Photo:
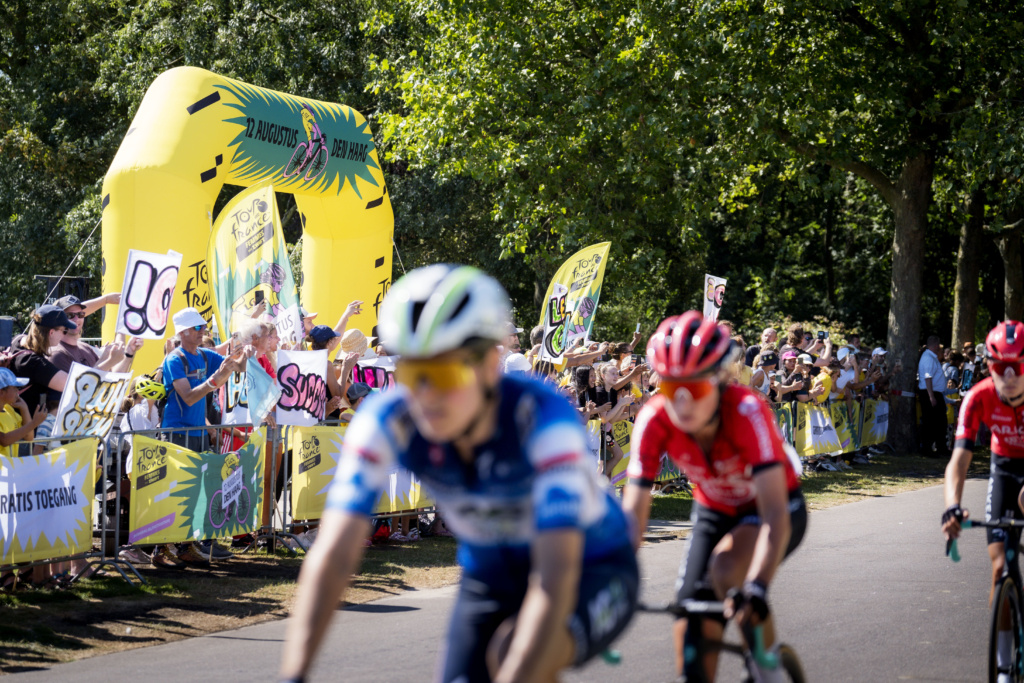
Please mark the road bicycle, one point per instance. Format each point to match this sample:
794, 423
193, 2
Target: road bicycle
1007, 607
752, 658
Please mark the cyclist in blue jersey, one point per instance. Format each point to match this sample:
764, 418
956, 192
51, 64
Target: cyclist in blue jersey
549, 574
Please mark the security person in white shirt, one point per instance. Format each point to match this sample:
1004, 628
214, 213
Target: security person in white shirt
930, 383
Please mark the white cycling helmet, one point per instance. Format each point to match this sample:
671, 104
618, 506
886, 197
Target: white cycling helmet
440, 308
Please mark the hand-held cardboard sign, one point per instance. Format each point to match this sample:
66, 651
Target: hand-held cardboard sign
149, 282
90, 402
302, 376
714, 295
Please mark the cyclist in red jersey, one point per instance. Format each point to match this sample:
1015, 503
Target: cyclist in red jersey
997, 401
748, 511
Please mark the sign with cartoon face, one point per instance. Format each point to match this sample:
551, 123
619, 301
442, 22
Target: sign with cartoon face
714, 296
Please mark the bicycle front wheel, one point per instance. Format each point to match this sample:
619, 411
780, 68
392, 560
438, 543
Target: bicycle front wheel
791, 664
1006, 616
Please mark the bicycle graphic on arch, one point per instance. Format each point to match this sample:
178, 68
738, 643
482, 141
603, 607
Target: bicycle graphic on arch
310, 157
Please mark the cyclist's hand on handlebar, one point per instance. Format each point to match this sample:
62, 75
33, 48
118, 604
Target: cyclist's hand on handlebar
748, 604
952, 519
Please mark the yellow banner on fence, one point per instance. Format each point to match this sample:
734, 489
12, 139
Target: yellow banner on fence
876, 422
315, 453
180, 495
844, 426
622, 433
814, 434
46, 503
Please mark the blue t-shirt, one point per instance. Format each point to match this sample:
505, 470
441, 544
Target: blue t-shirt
200, 367
533, 475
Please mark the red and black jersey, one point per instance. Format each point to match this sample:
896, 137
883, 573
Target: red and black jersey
1006, 423
747, 441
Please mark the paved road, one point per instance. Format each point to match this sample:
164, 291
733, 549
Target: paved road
868, 597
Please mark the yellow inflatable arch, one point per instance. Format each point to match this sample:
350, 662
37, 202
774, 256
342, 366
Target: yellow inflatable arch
195, 131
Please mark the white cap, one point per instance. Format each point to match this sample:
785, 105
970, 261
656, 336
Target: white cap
516, 362
186, 318
843, 353
804, 358
512, 329
878, 352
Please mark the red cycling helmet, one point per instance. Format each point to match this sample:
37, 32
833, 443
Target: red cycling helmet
688, 346
1006, 341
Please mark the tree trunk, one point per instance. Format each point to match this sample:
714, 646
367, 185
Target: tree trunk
910, 206
968, 265
1009, 244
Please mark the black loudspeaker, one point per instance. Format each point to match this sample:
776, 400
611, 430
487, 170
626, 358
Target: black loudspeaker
6, 330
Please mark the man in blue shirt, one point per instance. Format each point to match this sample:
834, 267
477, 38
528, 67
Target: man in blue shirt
190, 373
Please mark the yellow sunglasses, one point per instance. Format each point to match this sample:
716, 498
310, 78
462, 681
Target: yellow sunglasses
441, 375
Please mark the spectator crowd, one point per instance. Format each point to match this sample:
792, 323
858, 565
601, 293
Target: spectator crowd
608, 382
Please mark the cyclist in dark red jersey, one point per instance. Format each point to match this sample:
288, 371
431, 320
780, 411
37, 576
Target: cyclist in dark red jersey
748, 511
998, 402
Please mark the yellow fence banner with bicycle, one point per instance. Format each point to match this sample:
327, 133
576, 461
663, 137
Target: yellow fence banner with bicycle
179, 495
46, 503
814, 433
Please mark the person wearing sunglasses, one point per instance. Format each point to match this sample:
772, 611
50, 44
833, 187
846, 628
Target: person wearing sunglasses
998, 402
549, 575
116, 356
748, 511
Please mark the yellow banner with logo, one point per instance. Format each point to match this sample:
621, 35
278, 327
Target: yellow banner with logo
570, 303
315, 455
46, 503
844, 426
180, 495
876, 422
249, 260
814, 433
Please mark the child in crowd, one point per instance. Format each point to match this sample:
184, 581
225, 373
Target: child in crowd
16, 424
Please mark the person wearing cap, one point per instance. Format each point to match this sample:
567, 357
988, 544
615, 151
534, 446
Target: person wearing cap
323, 337
190, 373
354, 308
116, 356
510, 343
801, 377
16, 423
46, 380
357, 391
765, 364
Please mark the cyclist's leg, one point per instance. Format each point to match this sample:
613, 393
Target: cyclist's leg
557, 655
709, 526
1004, 490
479, 612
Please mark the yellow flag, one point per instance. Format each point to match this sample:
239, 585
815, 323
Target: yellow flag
571, 301
249, 261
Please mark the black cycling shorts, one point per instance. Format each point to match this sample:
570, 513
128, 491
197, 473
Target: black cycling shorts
1004, 485
709, 527
607, 599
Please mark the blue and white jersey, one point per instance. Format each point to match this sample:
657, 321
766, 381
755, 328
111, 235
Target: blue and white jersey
533, 475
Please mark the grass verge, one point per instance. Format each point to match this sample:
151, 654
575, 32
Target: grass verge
40, 628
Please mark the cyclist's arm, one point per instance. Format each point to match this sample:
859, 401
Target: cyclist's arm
556, 557
956, 473
773, 508
322, 582
636, 502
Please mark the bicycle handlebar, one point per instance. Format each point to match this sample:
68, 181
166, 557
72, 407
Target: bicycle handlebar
710, 608
953, 552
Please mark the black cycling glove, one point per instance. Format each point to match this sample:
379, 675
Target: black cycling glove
755, 593
952, 511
